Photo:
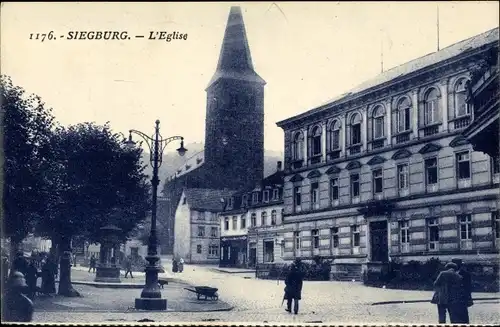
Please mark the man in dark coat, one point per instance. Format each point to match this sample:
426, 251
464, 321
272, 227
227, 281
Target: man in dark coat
465, 296
20, 263
17, 307
31, 278
293, 288
446, 296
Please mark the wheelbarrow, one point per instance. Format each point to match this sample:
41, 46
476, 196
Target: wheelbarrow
210, 293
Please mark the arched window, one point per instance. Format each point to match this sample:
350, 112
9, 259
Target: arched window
334, 135
431, 107
298, 146
378, 122
273, 217
316, 140
355, 129
403, 116
263, 218
460, 97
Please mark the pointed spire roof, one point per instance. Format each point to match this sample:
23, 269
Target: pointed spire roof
235, 61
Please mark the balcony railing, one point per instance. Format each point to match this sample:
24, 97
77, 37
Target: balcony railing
402, 138
334, 154
377, 144
315, 159
431, 130
297, 163
355, 149
461, 122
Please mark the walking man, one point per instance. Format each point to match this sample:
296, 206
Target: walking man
465, 295
128, 267
92, 263
446, 296
293, 288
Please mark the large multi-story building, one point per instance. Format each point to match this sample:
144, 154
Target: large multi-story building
251, 224
233, 156
383, 172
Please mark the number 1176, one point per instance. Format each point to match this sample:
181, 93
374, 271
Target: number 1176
42, 36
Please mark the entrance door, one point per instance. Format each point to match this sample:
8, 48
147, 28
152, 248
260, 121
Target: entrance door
378, 241
253, 256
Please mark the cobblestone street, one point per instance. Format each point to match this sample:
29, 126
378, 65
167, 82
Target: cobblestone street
259, 301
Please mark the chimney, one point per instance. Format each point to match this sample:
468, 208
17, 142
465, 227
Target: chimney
278, 166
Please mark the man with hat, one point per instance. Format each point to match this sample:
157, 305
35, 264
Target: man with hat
446, 296
293, 288
17, 307
465, 295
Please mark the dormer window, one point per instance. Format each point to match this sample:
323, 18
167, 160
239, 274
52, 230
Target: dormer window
230, 202
255, 197
266, 196
244, 200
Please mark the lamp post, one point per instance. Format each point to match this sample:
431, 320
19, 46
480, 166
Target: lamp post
151, 295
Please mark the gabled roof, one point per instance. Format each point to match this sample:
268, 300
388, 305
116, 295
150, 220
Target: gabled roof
408, 68
193, 163
204, 199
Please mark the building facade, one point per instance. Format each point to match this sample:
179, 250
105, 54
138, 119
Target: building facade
383, 172
251, 224
197, 225
233, 156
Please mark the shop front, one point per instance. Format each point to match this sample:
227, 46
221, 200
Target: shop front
234, 251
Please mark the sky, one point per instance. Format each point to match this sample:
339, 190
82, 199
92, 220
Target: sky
308, 53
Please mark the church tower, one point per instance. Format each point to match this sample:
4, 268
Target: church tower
234, 124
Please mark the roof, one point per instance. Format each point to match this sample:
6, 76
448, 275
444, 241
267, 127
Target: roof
192, 163
408, 68
235, 61
204, 199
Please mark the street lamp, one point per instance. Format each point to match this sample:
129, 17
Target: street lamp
151, 295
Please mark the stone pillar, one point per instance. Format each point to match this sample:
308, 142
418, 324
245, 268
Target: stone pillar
414, 114
343, 133
388, 109
443, 85
323, 141
364, 130
306, 141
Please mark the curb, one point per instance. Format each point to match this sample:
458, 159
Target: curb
122, 285
423, 301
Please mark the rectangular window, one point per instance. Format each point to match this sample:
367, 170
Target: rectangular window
431, 171
335, 140
465, 231
213, 250
378, 186
403, 120
315, 195
266, 196
226, 223
230, 203
403, 176
334, 189
297, 198
243, 222
276, 194
404, 235
355, 235
334, 231
495, 163
184, 201
244, 200
378, 130
201, 215
255, 197
495, 218
296, 239
355, 185
235, 222
463, 165
315, 237
253, 220
213, 232
356, 134
433, 234
198, 249
201, 231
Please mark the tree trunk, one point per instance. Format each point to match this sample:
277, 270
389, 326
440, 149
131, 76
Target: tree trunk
65, 286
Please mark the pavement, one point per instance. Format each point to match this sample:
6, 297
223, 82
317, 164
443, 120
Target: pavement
259, 301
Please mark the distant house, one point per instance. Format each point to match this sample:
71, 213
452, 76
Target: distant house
196, 227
